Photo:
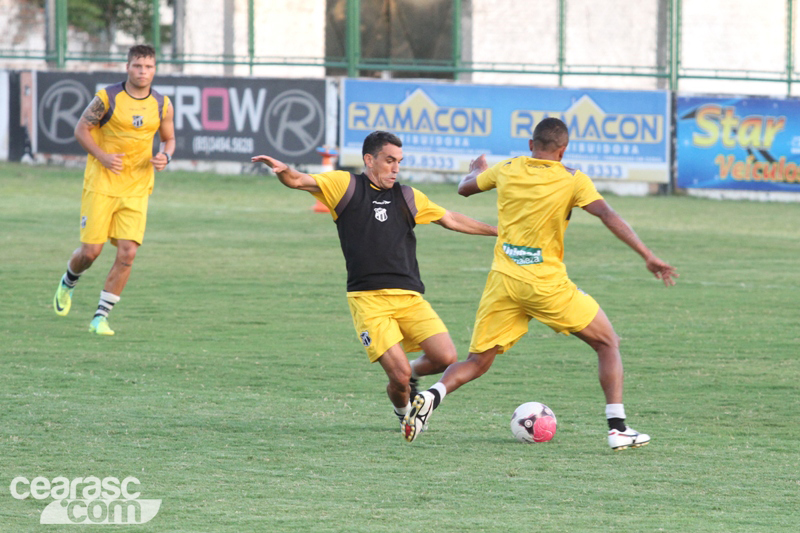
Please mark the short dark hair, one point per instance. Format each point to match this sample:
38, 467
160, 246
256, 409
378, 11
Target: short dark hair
141, 50
376, 140
550, 134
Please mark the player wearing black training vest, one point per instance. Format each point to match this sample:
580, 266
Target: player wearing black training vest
375, 218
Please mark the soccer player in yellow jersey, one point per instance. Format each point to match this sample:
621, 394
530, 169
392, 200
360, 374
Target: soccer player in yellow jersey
528, 279
375, 217
117, 131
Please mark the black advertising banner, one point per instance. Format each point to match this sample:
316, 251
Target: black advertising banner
226, 119
60, 99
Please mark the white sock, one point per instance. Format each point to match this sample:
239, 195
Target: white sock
440, 387
615, 410
403, 411
106, 304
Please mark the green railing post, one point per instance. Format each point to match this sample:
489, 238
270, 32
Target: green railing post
61, 33
353, 37
456, 38
157, 28
675, 43
562, 24
251, 32
789, 47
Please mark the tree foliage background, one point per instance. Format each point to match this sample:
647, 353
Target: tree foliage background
105, 17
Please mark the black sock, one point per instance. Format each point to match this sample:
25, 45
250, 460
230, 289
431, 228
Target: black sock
436, 397
617, 423
413, 383
71, 279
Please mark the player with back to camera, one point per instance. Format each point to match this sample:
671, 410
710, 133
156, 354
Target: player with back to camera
117, 131
535, 198
375, 217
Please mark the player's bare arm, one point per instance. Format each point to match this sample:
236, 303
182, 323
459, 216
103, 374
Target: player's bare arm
287, 175
89, 120
624, 232
464, 224
167, 134
469, 183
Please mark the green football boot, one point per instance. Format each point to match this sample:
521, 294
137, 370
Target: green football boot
100, 326
62, 301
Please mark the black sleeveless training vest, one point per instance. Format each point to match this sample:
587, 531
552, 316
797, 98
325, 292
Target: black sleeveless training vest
376, 231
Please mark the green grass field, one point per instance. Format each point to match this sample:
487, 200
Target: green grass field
236, 391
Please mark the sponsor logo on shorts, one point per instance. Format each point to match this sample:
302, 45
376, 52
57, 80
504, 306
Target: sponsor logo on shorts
365, 338
83, 222
523, 255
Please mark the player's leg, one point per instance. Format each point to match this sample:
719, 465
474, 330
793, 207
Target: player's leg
457, 374
379, 333
600, 335
499, 324
80, 260
476, 365
121, 269
395, 363
127, 233
115, 283
96, 214
422, 329
438, 352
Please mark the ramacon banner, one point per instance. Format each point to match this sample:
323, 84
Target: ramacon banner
615, 135
226, 119
738, 143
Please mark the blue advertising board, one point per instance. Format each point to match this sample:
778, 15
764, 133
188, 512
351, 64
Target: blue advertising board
615, 135
738, 143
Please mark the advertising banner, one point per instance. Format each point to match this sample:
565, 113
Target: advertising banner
615, 135
226, 119
738, 143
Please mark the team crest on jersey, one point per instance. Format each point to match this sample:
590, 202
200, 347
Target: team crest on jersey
138, 121
365, 339
380, 214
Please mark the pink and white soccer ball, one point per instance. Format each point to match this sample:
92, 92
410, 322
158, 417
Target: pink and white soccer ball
533, 422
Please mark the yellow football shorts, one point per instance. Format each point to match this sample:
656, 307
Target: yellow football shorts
109, 217
382, 320
508, 304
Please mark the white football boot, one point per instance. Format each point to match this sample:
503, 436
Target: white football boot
416, 421
630, 438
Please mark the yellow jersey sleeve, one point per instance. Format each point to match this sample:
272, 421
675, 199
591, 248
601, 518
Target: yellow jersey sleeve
427, 211
103, 96
166, 107
332, 186
488, 178
585, 191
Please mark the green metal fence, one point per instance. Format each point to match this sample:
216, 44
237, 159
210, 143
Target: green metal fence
671, 71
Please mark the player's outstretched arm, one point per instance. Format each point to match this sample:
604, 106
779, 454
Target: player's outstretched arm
287, 175
90, 119
624, 232
464, 224
469, 183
